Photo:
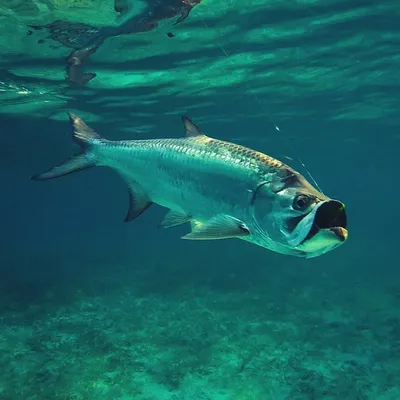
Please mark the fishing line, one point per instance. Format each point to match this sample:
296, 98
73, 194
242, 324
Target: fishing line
264, 109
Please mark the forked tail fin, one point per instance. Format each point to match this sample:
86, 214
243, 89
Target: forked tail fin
87, 138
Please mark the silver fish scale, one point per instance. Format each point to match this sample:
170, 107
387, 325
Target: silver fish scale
212, 150
200, 175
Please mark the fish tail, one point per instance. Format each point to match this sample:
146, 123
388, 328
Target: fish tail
87, 139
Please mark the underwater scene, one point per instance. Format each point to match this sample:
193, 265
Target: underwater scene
199, 200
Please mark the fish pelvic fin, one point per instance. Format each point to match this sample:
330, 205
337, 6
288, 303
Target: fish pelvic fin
174, 218
87, 139
219, 227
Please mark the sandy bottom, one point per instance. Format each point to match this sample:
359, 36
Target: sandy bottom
233, 338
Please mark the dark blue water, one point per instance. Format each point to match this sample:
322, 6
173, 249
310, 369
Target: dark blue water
95, 308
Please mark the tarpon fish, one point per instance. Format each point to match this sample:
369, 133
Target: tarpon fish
223, 189
75, 72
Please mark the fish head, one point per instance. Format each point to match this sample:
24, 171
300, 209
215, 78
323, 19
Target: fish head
297, 218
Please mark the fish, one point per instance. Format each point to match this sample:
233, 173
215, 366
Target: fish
222, 189
75, 73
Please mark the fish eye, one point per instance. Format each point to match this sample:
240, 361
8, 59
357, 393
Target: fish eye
301, 202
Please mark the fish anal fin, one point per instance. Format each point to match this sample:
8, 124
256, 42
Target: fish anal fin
191, 129
139, 202
174, 218
219, 227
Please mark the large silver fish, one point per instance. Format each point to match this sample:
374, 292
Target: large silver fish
224, 190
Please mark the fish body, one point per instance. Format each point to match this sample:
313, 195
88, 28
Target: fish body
223, 189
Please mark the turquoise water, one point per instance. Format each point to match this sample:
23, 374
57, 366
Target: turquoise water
93, 308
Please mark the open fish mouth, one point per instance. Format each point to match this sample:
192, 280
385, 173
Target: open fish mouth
330, 216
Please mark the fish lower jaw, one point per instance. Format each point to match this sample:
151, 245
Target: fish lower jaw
323, 241
340, 232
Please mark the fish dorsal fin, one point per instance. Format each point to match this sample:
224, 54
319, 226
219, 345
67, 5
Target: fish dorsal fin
220, 227
82, 133
191, 130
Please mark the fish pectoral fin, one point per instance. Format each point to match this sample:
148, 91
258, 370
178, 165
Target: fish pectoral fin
219, 227
138, 201
174, 218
